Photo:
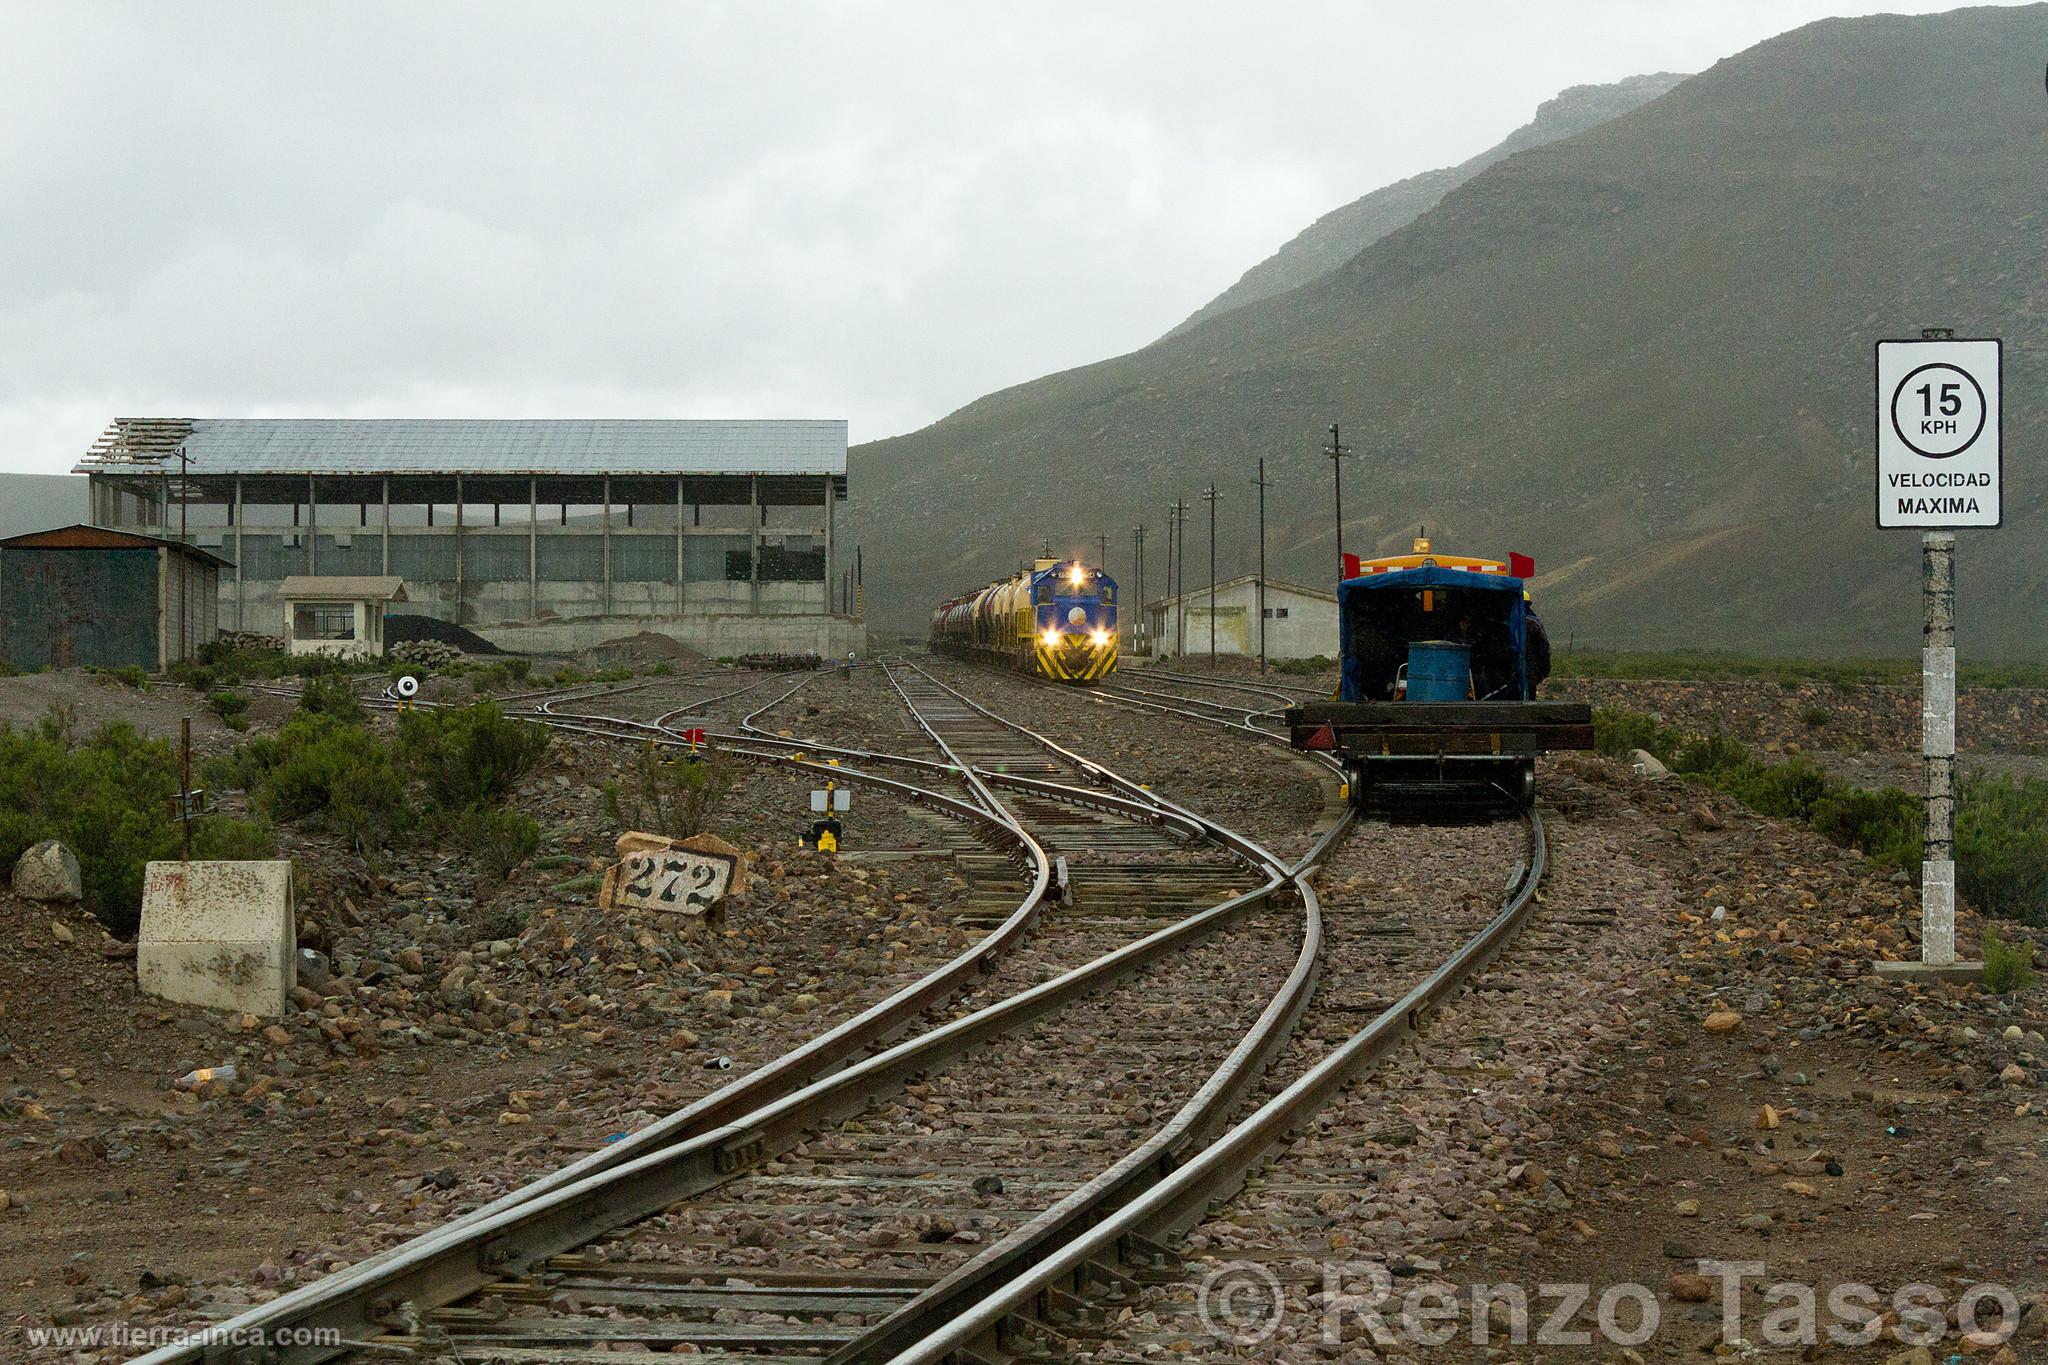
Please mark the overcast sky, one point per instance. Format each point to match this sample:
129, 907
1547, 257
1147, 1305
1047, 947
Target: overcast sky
837, 208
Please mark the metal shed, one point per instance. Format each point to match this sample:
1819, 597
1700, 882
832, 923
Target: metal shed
89, 596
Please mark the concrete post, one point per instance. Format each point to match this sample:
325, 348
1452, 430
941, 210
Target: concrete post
238, 553
1938, 747
458, 549
312, 527
606, 608
828, 543
532, 548
754, 544
384, 495
679, 545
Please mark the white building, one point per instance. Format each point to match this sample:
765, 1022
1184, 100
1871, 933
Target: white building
1300, 622
340, 615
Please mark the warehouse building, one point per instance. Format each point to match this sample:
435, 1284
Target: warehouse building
85, 596
1301, 623
537, 535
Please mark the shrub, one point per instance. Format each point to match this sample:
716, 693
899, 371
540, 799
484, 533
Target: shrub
2007, 967
1709, 754
1816, 717
108, 799
1618, 732
1886, 826
498, 840
472, 756
332, 695
229, 706
2002, 847
129, 675
337, 774
676, 798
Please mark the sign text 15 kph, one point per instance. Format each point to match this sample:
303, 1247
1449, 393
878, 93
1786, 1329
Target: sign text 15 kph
1940, 443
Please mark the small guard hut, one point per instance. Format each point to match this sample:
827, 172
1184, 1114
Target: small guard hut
341, 615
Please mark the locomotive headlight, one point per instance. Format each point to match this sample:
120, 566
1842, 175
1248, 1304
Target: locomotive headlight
1077, 575
1052, 639
1099, 638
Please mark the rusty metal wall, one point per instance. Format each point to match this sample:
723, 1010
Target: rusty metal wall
69, 608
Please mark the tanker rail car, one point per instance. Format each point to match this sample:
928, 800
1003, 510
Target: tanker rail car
1058, 621
1442, 657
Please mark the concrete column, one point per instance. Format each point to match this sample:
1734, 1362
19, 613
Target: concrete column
532, 548
312, 527
679, 545
606, 608
754, 545
828, 544
385, 495
238, 553
458, 549
1938, 747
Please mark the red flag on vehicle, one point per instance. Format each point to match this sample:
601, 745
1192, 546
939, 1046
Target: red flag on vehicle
1352, 566
1521, 566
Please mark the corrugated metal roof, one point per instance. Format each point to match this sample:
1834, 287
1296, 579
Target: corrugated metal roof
239, 445
301, 587
79, 536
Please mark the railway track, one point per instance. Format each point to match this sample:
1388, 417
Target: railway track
406, 1299
979, 1190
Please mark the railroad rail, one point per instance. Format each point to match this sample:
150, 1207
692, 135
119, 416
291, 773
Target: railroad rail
393, 1298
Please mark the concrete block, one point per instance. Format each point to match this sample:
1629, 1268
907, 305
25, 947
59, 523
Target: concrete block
1927, 971
219, 934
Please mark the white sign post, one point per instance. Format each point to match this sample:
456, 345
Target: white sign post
1940, 460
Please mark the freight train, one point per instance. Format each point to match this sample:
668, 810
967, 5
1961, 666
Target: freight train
1057, 620
1442, 656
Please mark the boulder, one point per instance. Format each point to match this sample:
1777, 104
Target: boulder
48, 872
1648, 764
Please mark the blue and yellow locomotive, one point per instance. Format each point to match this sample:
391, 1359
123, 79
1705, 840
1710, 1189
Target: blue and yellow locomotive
1058, 620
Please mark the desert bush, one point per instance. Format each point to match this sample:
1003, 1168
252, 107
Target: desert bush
331, 695
675, 797
1885, 826
338, 775
471, 756
1816, 717
229, 706
108, 798
2002, 847
1618, 732
498, 840
2007, 967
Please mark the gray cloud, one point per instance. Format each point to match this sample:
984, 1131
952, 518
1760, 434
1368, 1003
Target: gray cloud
843, 207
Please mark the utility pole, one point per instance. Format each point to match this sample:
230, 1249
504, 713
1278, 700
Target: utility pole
1209, 496
1102, 539
1144, 631
1263, 485
1180, 578
1338, 453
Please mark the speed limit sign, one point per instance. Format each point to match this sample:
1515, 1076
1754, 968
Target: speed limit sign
1940, 445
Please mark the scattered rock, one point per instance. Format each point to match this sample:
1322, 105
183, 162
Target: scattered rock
48, 872
1722, 1021
1687, 1287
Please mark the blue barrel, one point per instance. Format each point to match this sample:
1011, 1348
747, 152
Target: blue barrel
1439, 670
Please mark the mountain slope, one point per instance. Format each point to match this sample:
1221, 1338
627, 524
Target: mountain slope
1642, 354
1342, 233
37, 502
